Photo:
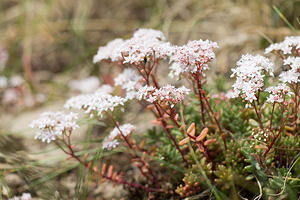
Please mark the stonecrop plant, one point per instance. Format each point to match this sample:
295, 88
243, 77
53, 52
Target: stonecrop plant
237, 144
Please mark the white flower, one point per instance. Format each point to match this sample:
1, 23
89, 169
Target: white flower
259, 135
192, 57
40, 97
167, 94
87, 85
249, 74
145, 44
10, 96
53, 124
16, 81
286, 46
125, 130
144, 92
289, 77
149, 33
105, 89
293, 62
250, 66
130, 81
277, 93
292, 75
111, 142
3, 82
175, 70
100, 101
110, 51
232, 94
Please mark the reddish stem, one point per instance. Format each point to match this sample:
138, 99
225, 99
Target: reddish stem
272, 116
171, 115
164, 123
217, 122
154, 81
135, 156
201, 94
199, 145
271, 145
296, 106
135, 185
199, 86
258, 115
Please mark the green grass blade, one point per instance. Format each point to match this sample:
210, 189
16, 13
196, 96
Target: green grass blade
284, 19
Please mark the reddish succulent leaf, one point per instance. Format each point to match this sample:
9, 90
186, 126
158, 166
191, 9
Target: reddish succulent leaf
103, 169
110, 170
192, 129
202, 135
184, 141
210, 141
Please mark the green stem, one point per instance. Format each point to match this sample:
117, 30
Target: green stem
213, 189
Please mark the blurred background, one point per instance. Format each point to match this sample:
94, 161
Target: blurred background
62, 35
45, 44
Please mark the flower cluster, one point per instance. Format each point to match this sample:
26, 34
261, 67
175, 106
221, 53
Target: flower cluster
149, 33
111, 142
287, 46
98, 102
167, 94
277, 93
13, 91
14, 81
130, 81
289, 76
105, 89
110, 51
259, 135
249, 73
292, 75
192, 57
231, 94
87, 85
293, 62
145, 44
54, 124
